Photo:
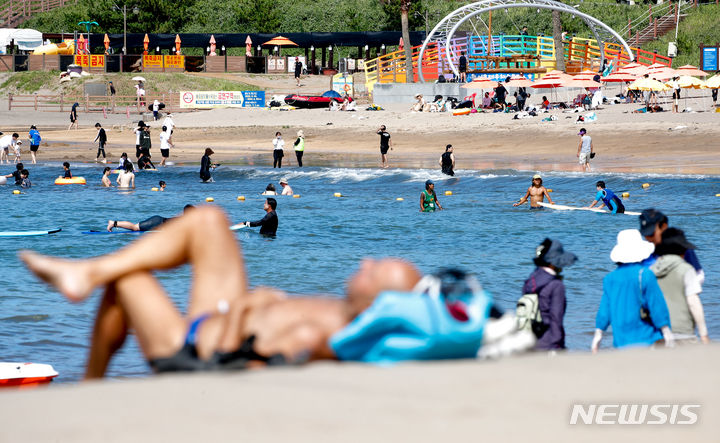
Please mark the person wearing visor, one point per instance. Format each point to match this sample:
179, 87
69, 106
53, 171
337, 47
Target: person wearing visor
546, 282
428, 198
536, 192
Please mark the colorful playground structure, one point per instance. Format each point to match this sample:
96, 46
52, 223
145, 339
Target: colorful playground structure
496, 56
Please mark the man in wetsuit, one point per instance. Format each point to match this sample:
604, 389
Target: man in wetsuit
447, 161
149, 224
16, 173
608, 198
269, 223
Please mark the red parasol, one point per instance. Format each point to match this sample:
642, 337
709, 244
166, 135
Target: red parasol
248, 46
213, 45
146, 42
177, 44
106, 41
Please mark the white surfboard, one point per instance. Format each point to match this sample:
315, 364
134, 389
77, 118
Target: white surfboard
578, 208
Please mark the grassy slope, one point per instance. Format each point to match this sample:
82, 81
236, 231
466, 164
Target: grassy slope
47, 82
702, 25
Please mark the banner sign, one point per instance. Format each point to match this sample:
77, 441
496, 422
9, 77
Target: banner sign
175, 61
222, 99
152, 61
709, 59
90, 61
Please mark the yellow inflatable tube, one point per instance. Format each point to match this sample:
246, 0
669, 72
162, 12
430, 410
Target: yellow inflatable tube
70, 181
66, 47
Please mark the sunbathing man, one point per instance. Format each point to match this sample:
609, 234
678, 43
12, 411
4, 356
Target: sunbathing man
227, 324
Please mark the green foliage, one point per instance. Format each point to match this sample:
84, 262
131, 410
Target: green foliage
699, 27
35, 81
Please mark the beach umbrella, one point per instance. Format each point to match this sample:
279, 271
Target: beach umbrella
106, 42
580, 83
248, 46
662, 73
586, 74
713, 83
146, 42
481, 83
213, 45
81, 44
691, 70
519, 82
401, 45
280, 41
648, 84
638, 69
619, 77
687, 81
177, 44
547, 83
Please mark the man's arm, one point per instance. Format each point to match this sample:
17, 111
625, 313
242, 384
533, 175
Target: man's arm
524, 199
97, 137
452, 157
437, 202
260, 222
579, 148
692, 292
547, 195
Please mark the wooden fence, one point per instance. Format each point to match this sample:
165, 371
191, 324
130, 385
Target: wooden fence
14, 12
110, 104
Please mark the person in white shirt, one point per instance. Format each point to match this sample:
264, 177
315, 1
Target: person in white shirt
168, 122
165, 144
156, 110
286, 189
6, 141
278, 153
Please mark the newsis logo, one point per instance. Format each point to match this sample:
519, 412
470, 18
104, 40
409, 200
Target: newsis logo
650, 414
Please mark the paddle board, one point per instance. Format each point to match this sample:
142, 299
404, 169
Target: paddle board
25, 374
120, 231
578, 208
28, 233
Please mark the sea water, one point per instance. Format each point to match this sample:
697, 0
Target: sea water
322, 238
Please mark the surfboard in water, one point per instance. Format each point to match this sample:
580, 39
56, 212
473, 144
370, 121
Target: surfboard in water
120, 231
578, 208
28, 233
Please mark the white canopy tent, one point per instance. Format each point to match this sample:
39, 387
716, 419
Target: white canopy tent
25, 39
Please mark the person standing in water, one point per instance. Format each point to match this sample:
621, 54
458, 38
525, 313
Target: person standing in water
106, 177
278, 153
428, 198
385, 145
536, 192
206, 165
126, 178
585, 150
447, 161
269, 223
608, 198
35, 140
300, 147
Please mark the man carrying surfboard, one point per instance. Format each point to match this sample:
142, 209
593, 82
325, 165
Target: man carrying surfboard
608, 198
536, 192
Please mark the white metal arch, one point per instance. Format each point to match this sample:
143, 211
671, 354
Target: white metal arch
446, 28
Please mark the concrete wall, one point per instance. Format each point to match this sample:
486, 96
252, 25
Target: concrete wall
386, 93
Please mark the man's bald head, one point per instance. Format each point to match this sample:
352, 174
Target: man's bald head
376, 276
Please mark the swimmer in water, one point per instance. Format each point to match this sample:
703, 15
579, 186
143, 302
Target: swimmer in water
269, 190
106, 177
536, 192
66, 168
162, 185
146, 225
428, 198
126, 178
269, 223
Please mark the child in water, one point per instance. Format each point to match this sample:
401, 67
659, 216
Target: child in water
66, 168
162, 185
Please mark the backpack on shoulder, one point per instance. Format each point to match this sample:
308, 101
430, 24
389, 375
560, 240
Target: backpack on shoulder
527, 315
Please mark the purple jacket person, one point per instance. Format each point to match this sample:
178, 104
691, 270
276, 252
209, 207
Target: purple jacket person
546, 282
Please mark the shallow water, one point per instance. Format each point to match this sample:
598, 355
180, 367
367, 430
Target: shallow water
322, 238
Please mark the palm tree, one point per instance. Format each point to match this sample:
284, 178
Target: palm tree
404, 9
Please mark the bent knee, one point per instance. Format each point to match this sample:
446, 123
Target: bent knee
209, 216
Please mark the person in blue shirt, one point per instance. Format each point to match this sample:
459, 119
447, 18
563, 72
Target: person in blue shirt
608, 198
35, 140
652, 224
632, 302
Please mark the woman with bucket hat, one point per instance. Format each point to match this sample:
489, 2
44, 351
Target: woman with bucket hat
632, 302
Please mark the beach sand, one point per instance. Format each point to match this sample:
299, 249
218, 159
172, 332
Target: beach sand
684, 143
527, 398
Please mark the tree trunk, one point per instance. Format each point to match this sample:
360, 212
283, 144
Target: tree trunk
404, 9
557, 37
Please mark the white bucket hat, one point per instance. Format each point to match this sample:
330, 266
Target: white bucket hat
631, 247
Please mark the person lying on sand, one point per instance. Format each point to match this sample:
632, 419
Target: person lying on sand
227, 323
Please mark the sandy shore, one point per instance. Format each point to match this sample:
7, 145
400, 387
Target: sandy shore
527, 398
683, 143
